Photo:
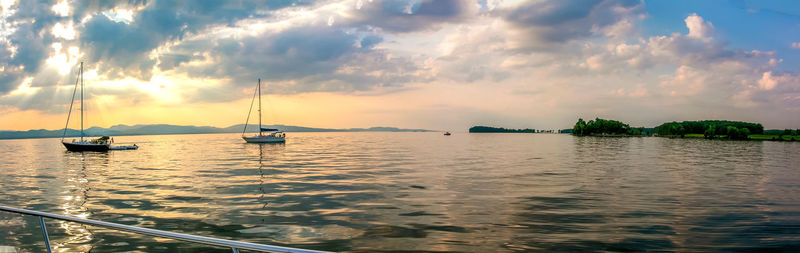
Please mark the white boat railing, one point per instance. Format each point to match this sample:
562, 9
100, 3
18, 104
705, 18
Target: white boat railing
234, 245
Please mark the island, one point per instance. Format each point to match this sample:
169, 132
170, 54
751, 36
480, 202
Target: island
708, 129
487, 129
606, 127
711, 129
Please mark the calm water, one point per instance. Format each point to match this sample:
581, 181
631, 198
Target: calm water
410, 192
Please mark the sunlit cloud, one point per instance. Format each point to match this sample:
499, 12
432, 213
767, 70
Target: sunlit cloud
66, 32
699, 29
62, 8
120, 15
25, 88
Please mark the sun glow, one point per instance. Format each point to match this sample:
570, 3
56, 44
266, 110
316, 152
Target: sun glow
64, 60
5, 5
25, 88
66, 32
120, 15
61, 8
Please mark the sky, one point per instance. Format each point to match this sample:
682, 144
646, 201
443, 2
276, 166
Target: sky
444, 65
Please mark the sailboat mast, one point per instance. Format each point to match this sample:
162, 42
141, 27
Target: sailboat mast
81, 101
259, 106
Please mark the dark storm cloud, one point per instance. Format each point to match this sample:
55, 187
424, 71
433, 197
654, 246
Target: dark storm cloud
409, 16
565, 20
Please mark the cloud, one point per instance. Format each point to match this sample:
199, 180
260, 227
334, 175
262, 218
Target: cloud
543, 23
302, 59
23, 55
120, 47
696, 49
164, 36
604, 74
783, 83
697, 28
29, 28
401, 16
563, 57
126, 47
767, 82
315, 56
685, 81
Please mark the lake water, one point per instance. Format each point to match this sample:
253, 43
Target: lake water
370, 192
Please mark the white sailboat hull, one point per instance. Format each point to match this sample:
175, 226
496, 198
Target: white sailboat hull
264, 139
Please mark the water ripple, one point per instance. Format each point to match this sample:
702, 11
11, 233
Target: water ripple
367, 192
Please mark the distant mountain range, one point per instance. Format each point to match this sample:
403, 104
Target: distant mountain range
120, 130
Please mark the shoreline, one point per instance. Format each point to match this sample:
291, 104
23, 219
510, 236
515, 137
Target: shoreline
752, 137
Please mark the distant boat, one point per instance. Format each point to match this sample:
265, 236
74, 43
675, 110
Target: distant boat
447, 133
131, 147
265, 135
101, 144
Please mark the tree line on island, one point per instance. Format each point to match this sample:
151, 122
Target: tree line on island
605, 127
709, 129
487, 129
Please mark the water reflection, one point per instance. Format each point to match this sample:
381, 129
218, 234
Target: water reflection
416, 192
73, 199
273, 150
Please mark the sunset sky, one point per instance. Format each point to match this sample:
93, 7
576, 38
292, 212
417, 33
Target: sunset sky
444, 65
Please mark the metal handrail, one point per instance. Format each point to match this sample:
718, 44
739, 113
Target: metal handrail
234, 245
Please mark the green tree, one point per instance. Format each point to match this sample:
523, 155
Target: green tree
721, 130
600, 126
677, 129
709, 133
744, 134
579, 127
733, 132
699, 127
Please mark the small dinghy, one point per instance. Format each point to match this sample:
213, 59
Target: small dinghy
132, 147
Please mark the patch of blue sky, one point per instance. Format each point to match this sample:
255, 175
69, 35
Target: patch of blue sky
745, 25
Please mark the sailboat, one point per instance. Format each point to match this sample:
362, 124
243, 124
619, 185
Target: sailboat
101, 144
265, 135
